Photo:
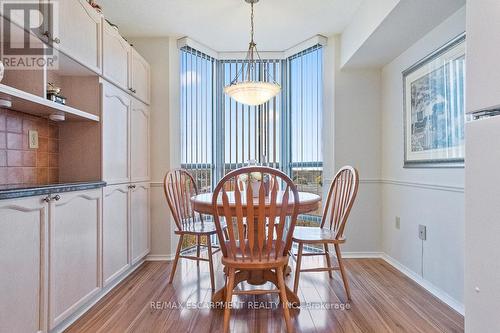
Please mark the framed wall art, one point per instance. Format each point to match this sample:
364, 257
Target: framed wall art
434, 108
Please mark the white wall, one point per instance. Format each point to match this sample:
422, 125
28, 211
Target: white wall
162, 55
351, 136
433, 197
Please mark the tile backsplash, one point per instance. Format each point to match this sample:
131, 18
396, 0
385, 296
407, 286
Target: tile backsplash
20, 165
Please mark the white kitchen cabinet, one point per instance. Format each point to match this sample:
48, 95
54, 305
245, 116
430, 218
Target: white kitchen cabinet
139, 221
139, 142
140, 76
115, 231
116, 56
483, 67
23, 262
116, 106
76, 31
74, 269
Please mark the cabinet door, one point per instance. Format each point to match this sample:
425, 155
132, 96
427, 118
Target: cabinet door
483, 68
77, 31
23, 262
140, 77
139, 221
115, 231
139, 142
115, 134
75, 223
115, 55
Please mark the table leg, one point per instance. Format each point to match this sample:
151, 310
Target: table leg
262, 277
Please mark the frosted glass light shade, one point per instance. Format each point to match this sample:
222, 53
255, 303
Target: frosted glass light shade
252, 93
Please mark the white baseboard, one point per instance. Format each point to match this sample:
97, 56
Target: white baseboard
439, 293
361, 255
160, 257
351, 255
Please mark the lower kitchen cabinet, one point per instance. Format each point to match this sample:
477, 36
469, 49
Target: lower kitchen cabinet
60, 252
23, 262
74, 269
115, 231
139, 221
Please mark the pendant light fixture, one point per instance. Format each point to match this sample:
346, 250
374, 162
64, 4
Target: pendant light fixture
251, 91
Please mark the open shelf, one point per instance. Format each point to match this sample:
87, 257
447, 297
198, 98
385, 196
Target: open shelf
37, 105
79, 85
26, 87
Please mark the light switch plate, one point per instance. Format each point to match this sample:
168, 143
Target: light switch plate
33, 139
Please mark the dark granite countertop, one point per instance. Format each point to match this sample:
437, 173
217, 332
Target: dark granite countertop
35, 190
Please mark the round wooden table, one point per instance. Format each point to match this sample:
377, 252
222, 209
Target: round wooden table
202, 203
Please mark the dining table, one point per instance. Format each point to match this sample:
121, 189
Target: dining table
202, 203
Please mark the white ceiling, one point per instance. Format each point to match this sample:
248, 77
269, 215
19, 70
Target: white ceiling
403, 26
224, 24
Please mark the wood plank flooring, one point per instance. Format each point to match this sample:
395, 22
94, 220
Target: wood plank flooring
383, 300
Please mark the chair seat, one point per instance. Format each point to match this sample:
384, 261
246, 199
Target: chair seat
315, 235
197, 228
256, 262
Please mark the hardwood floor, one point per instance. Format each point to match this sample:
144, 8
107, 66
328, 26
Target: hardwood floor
383, 300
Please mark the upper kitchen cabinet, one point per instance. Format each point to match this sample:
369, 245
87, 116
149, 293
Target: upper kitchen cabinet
115, 56
116, 106
483, 68
75, 29
140, 74
139, 142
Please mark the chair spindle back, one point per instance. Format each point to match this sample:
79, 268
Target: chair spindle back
341, 195
256, 214
180, 186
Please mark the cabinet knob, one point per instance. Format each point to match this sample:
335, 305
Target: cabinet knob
57, 197
47, 198
132, 186
47, 35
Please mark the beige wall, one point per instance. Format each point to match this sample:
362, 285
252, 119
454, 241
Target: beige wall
351, 135
433, 197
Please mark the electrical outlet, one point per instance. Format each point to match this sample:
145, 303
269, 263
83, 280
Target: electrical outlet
398, 222
33, 139
422, 232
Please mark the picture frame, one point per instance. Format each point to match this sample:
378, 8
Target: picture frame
434, 108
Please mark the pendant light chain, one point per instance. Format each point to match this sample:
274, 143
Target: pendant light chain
251, 47
251, 26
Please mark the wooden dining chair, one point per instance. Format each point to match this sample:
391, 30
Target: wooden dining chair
338, 205
259, 231
180, 186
